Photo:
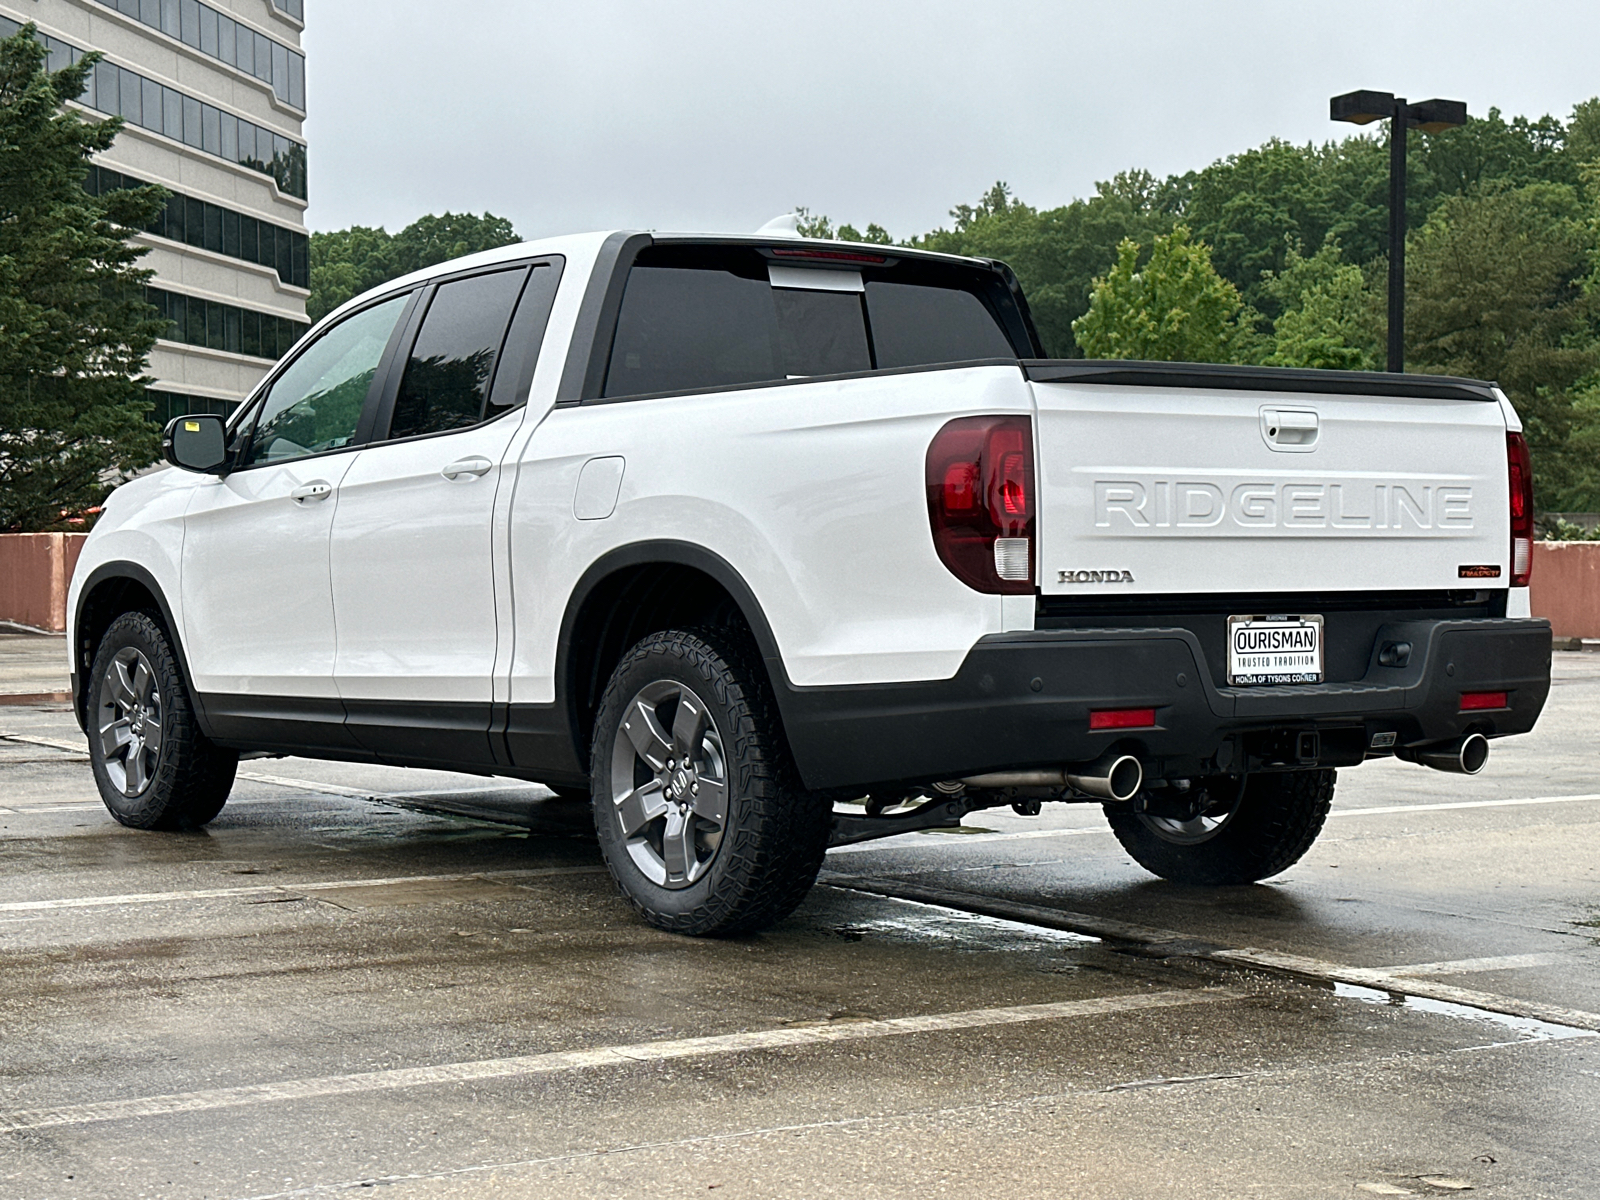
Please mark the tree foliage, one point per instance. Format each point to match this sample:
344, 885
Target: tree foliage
75, 332
1175, 308
347, 262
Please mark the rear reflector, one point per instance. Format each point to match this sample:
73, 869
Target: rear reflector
1473, 701
1123, 718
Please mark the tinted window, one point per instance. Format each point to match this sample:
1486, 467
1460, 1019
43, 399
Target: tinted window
316, 403
447, 376
913, 325
821, 333
681, 328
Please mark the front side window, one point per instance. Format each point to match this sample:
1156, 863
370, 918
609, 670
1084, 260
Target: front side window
447, 378
315, 405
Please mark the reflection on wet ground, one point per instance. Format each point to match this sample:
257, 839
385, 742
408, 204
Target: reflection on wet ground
344, 983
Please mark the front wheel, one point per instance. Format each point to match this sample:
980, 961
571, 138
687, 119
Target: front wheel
1235, 831
153, 766
700, 815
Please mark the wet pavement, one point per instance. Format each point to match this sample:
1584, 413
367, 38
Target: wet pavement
345, 984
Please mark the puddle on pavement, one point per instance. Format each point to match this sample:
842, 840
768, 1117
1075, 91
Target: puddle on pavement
908, 921
1527, 1029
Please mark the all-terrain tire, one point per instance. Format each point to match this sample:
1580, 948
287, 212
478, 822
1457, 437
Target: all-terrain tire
1273, 823
774, 834
185, 780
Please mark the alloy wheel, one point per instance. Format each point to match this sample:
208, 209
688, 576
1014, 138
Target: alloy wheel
669, 784
130, 721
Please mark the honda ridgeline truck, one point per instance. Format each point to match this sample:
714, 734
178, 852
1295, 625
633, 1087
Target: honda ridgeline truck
767, 544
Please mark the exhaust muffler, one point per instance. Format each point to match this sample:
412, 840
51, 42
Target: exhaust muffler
1463, 756
1112, 777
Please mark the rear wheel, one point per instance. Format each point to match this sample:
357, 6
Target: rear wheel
1238, 830
699, 812
153, 766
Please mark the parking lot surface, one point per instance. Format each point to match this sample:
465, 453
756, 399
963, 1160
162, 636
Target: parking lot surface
366, 978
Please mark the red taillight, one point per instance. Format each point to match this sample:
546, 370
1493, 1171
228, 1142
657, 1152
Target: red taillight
1123, 718
1476, 701
1520, 468
980, 502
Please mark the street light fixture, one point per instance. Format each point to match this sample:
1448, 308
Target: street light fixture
1430, 116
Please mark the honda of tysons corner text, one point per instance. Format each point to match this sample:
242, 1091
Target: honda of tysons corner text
767, 544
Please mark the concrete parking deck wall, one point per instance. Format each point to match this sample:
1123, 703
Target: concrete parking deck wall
35, 571
36, 568
1566, 587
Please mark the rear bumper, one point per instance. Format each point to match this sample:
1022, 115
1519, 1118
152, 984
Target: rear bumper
1024, 699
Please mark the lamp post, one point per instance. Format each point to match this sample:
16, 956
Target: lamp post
1430, 116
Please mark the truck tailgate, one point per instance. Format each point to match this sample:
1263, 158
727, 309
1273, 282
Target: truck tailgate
1159, 490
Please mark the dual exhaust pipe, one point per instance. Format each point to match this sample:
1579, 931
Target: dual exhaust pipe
1111, 777
1119, 777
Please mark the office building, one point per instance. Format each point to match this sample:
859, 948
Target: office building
213, 93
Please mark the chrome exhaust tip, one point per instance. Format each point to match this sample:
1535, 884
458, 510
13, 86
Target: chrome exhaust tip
1463, 756
1114, 777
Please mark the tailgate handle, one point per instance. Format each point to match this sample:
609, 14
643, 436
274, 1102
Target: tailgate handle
1290, 429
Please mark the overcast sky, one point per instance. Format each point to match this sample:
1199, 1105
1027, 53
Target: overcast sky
720, 114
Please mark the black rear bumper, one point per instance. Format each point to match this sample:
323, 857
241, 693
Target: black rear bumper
1024, 699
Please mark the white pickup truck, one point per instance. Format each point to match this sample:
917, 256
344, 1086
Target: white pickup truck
768, 544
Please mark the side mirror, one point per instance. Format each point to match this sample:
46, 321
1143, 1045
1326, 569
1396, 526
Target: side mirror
196, 443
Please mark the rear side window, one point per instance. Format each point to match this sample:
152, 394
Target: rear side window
684, 328
913, 325
451, 366
695, 318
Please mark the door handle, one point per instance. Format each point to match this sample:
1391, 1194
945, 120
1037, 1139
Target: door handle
474, 466
320, 489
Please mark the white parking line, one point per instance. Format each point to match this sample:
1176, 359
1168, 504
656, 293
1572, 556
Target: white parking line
278, 889
605, 1056
1465, 966
1383, 810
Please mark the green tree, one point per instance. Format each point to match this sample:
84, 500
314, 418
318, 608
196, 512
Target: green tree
1494, 290
75, 331
1175, 309
1058, 253
1328, 316
347, 262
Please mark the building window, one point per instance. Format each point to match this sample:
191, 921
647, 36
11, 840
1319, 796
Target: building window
160, 109
180, 404
195, 321
215, 33
124, 93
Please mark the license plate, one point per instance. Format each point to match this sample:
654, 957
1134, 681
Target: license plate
1274, 649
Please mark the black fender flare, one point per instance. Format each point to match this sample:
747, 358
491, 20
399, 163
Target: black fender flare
676, 553
137, 574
